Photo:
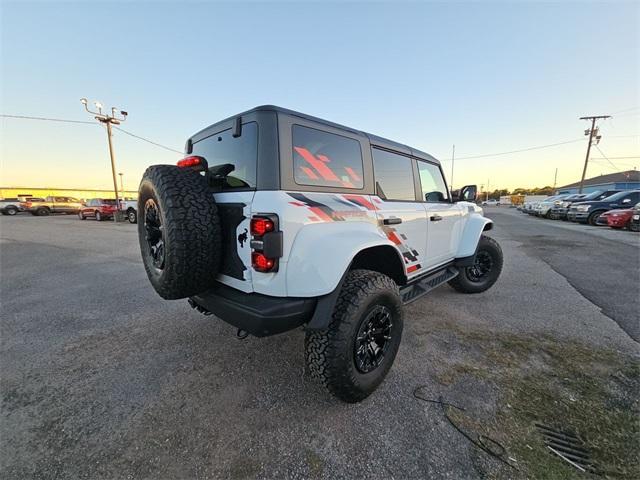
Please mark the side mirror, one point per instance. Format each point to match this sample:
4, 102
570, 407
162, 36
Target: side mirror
465, 194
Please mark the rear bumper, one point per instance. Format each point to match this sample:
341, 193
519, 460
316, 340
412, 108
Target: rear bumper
260, 315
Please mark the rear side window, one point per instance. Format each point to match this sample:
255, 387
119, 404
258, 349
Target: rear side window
433, 186
325, 159
241, 152
394, 176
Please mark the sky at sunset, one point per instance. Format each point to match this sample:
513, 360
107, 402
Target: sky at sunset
487, 77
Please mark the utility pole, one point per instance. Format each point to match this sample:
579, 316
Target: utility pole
487, 199
121, 185
555, 178
591, 132
109, 120
453, 156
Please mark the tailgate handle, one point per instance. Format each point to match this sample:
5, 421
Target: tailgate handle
435, 218
392, 221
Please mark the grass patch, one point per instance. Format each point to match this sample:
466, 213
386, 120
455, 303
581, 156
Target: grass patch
562, 384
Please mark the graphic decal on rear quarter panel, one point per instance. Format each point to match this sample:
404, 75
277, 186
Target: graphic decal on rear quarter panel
338, 208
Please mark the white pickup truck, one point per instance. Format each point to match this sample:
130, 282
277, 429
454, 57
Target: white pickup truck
130, 209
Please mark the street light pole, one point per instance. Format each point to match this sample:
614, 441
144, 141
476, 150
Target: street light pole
109, 120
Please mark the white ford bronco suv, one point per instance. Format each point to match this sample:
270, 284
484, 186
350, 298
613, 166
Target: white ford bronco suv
276, 220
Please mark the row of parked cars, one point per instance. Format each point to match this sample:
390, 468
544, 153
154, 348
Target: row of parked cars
613, 208
97, 208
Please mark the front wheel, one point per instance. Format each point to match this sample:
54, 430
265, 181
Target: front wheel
81, 216
485, 270
98, 216
132, 216
42, 212
353, 355
11, 211
593, 218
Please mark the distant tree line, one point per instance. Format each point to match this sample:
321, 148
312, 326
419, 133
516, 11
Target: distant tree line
496, 194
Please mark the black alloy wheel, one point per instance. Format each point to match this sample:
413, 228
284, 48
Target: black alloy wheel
481, 267
154, 233
373, 339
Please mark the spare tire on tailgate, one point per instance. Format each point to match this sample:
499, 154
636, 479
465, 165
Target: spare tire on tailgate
178, 231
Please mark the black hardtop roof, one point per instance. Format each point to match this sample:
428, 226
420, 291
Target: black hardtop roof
373, 139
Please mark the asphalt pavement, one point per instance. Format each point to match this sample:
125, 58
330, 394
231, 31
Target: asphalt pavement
600, 263
100, 378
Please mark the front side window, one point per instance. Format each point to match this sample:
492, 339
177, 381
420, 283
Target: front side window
326, 159
394, 176
433, 186
240, 152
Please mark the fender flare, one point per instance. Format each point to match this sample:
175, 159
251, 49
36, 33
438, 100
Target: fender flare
476, 224
333, 246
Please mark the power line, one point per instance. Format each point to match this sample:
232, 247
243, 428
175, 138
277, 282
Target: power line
47, 119
614, 158
521, 150
605, 157
148, 141
25, 117
626, 110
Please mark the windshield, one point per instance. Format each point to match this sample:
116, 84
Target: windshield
593, 195
108, 202
616, 196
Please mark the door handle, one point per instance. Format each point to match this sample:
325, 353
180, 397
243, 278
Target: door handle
392, 221
435, 218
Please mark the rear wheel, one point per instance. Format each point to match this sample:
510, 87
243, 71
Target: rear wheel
81, 216
178, 231
132, 216
98, 216
353, 355
11, 210
42, 212
485, 270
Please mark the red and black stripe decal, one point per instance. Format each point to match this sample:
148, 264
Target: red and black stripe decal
321, 210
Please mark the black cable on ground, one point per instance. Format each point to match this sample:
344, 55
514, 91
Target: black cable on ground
483, 442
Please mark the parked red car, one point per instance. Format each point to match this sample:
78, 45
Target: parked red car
619, 218
98, 208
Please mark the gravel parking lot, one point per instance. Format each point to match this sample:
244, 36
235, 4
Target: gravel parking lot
103, 379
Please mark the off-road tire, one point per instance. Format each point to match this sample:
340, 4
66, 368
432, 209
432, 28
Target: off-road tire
42, 212
329, 353
463, 281
191, 231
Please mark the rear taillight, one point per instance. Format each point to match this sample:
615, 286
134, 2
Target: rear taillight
261, 263
261, 225
192, 161
266, 243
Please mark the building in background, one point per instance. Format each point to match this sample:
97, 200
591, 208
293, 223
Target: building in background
79, 193
629, 180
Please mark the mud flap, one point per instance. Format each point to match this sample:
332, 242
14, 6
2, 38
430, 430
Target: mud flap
324, 307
